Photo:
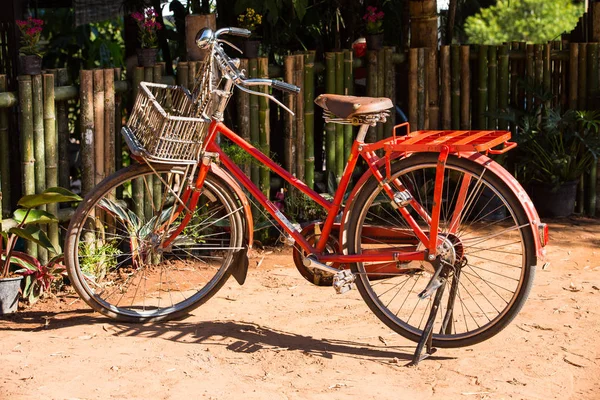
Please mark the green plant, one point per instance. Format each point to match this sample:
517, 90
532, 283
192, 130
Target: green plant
98, 259
39, 278
374, 20
148, 27
31, 31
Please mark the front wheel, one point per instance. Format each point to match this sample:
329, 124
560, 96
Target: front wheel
485, 240
113, 250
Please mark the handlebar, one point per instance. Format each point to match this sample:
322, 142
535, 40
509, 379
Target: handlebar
206, 38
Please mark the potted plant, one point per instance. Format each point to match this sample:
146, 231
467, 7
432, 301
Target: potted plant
30, 57
15, 265
250, 20
148, 28
374, 28
555, 150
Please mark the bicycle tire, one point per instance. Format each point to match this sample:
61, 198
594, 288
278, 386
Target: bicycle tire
180, 271
491, 275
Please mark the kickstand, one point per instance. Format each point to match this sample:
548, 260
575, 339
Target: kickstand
427, 335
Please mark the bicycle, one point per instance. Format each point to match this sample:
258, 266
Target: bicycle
440, 240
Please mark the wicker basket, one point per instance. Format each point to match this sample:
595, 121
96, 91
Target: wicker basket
167, 124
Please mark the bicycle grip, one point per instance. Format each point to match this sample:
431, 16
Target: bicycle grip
286, 87
239, 32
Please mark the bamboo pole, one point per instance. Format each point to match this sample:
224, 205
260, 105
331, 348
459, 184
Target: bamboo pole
573, 74
583, 78
455, 86
538, 51
118, 125
446, 83
564, 98
243, 106
87, 131
592, 68
51, 143
380, 90
371, 88
433, 88
465, 88
182, 73
148, 184
138, 184
530, 75
413, 62
483, 87
503, 84
547, 67
99, 144
515, 66
339, 129
109, 121
289, 147
309, 118
330, 128
299, 78
157, 73
192, 68
4, 153
265, 127
39, 148
62, 115
254, 124
27, 140
492, 121
389, 92
422, 92
592, 190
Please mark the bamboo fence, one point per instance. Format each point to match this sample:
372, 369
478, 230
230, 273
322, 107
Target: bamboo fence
455, 87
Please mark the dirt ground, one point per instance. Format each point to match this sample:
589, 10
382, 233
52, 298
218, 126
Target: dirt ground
279, 337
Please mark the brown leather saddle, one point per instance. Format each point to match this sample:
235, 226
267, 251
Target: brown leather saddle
351, 106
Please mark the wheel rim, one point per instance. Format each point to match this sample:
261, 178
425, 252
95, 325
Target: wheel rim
119, 260
487, 250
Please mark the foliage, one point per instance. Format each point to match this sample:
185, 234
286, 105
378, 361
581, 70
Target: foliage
97, 259
31, 31
374, 20
532, 21
249, 20
148, 27
27, 220
38, 278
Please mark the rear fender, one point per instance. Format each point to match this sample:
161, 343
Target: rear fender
487, 163
240, 261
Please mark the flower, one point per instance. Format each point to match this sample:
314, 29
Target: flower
374, 20
148, 26
31, 31
250, 19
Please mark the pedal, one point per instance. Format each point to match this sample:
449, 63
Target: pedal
343, 281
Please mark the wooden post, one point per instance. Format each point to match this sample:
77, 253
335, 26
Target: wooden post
299, 78
99, 123
51, 142
148, 180
503, 84
339, 129
455, 86
573, 74
243, 106
183, 73
27, 144
389, 92
254, 124
465, 88
264, 127
446, 81
192, 67
109, 121
88, 173
413, 56
309, 117
371, 88
492, 87
118, 125
138, 184
62, 114
4, 153
483, 87
330, 128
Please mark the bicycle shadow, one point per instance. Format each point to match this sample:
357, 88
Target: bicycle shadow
247, 337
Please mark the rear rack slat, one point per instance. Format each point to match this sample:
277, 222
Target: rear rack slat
456, 141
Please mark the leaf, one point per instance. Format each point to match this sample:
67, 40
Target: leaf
48, 196
36, 235
300, 8
34, 216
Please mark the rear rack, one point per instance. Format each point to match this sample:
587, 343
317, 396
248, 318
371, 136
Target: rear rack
455, 141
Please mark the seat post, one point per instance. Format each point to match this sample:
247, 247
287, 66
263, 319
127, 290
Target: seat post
362, 133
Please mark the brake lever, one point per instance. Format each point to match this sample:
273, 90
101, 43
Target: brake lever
230, 45
268, 96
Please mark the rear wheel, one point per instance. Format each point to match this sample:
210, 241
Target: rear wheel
113, 250
487, 249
